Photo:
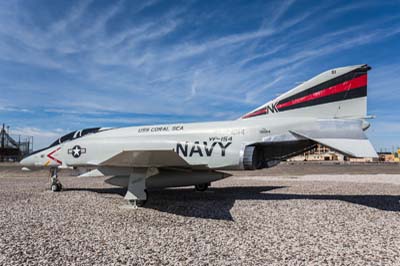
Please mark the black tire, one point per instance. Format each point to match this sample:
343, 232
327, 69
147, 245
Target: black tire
201, 187
140, 203
56, 187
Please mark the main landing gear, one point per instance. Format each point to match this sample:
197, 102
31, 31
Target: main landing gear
202, 187
136, 193
55, 184
138, 202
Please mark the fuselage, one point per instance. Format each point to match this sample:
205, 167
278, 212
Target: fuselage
218, 145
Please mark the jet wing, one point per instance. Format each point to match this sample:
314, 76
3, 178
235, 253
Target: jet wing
346, 137
147, 158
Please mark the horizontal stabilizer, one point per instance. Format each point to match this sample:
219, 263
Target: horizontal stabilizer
350, 147
149, 158
346, 137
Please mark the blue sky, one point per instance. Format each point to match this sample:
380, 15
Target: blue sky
67, 65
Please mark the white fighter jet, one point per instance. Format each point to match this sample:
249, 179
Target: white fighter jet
329, 109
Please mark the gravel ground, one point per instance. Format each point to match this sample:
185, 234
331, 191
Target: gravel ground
292, 219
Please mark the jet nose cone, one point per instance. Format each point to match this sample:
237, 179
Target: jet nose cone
27, 161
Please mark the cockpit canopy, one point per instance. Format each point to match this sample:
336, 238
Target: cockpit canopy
73, 135
76, 134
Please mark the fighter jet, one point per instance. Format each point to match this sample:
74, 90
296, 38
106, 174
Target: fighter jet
329, 109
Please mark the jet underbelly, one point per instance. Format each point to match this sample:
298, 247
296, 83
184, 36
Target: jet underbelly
172, 178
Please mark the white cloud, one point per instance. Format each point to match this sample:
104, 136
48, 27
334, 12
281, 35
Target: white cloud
280, 11
36, 132
72, 17
14, 109
41, 137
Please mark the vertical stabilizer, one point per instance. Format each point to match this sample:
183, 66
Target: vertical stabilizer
336, 93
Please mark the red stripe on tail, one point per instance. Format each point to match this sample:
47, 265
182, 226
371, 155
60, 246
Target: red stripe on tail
355, 83
261, 111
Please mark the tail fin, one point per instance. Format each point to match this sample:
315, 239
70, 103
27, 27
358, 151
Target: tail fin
336, 93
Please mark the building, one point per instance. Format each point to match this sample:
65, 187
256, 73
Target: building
389, 156
320, 153
397, 156
323, 153
11, 149
386, 157
363, 160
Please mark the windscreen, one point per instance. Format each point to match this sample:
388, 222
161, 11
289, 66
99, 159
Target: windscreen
74, 135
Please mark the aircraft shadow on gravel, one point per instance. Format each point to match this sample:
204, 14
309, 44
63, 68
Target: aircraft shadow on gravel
216, 203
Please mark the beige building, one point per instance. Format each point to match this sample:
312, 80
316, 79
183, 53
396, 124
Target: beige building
320, 153
323, 153
386, 156
363, 160
389, 157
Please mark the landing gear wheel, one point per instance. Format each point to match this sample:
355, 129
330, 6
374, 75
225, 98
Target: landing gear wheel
56, 187
139, 203
55, 184
202, 187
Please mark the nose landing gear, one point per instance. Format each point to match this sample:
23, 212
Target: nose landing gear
56, 187
55, 184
